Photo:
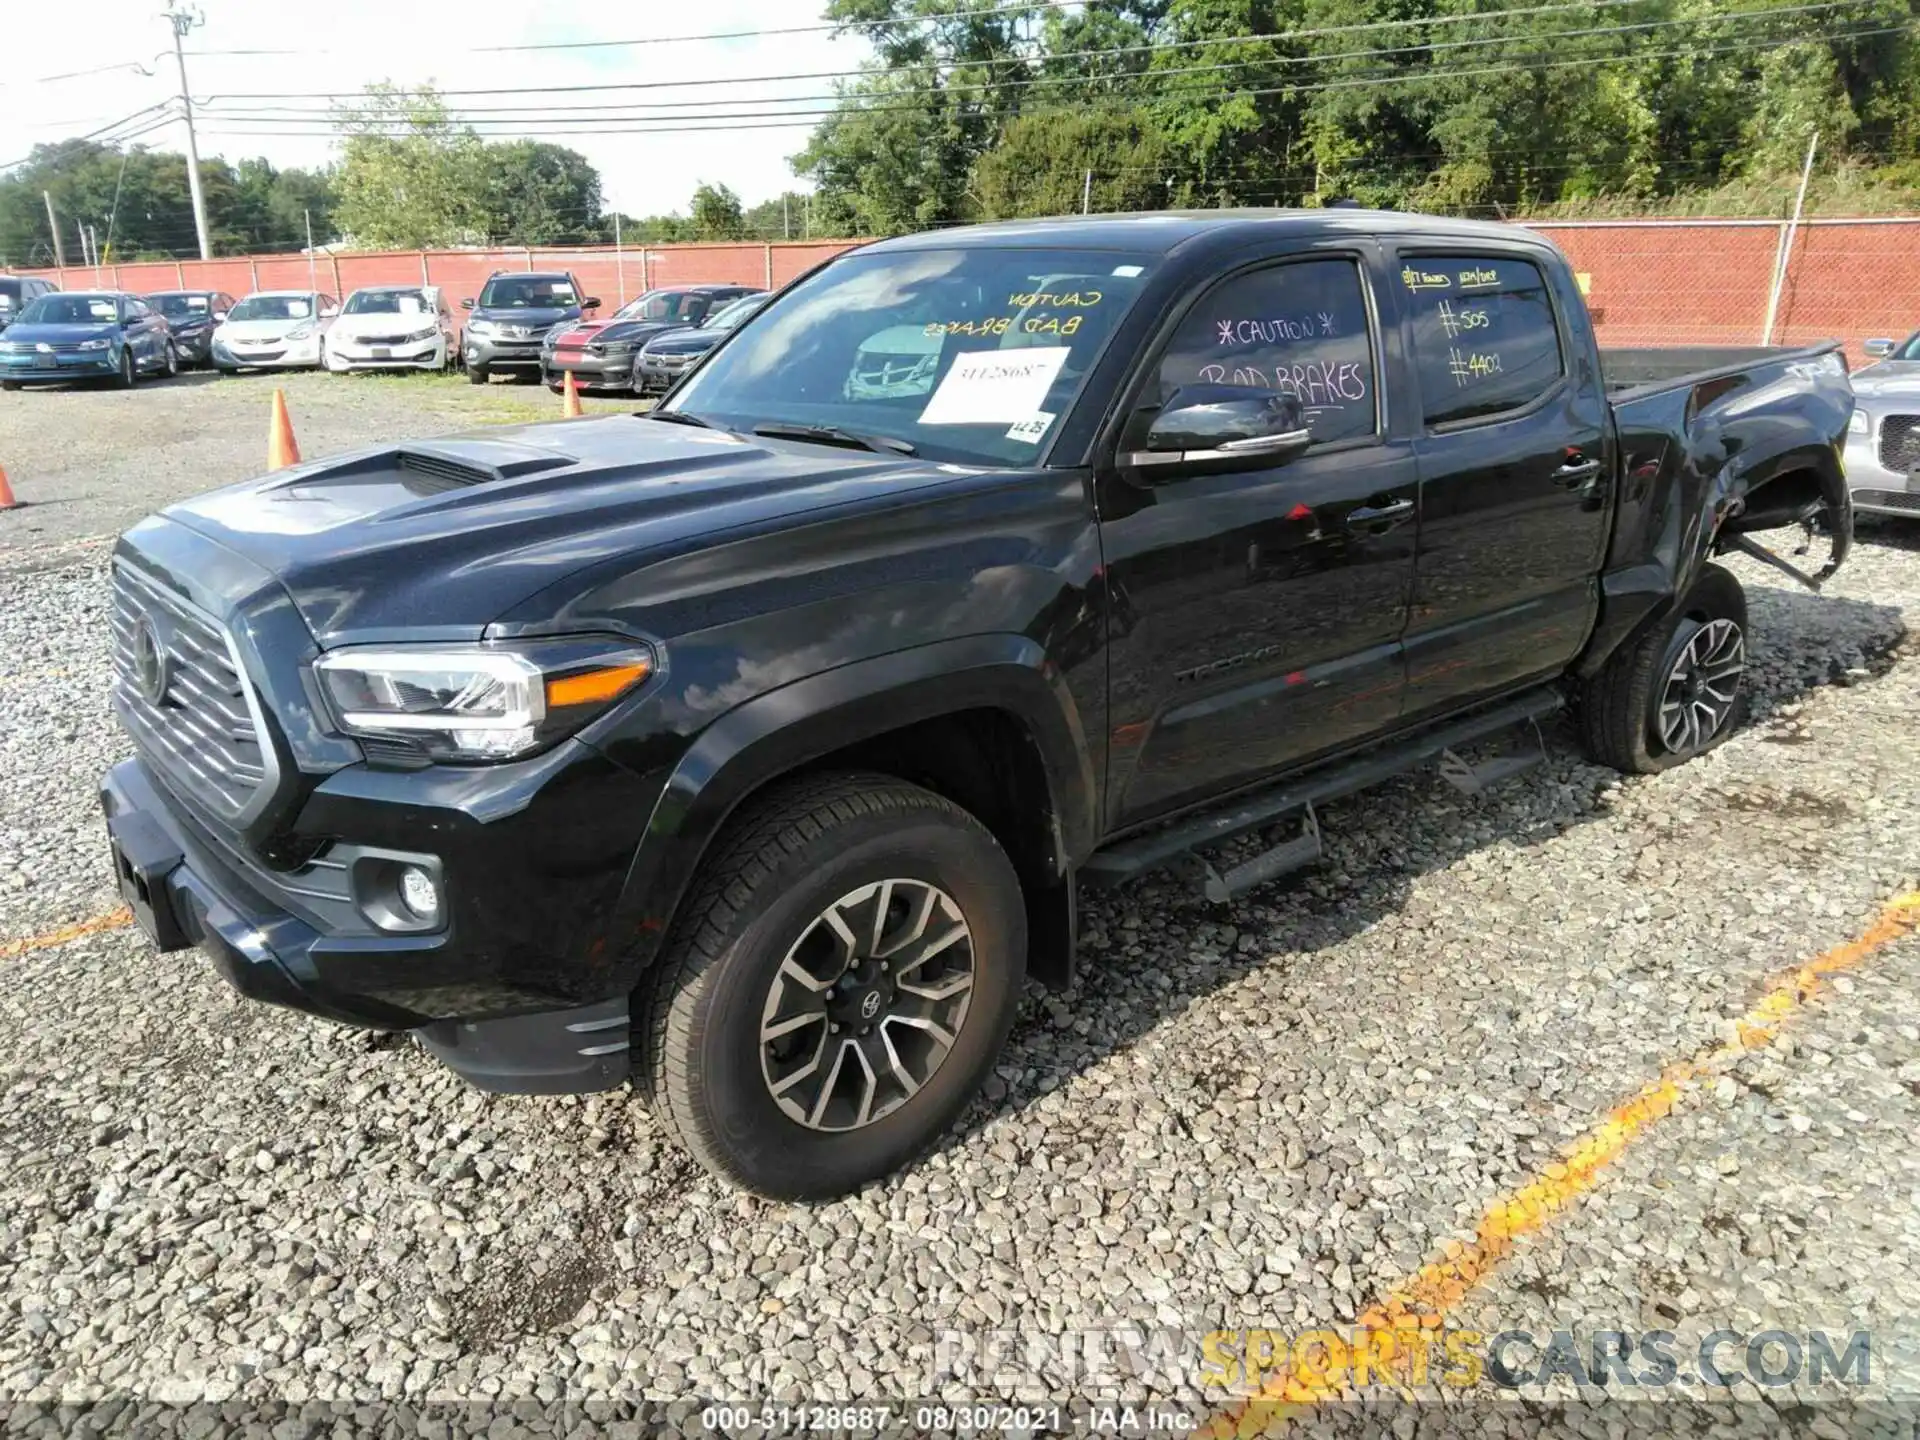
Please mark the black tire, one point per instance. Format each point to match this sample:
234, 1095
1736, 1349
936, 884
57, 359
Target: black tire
1619, 707
476, 374
784, 861
172, 367
226, 371
129, 372
10, 386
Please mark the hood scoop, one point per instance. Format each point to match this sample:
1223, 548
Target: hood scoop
449, 465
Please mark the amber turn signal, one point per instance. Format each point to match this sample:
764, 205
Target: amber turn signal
595, 687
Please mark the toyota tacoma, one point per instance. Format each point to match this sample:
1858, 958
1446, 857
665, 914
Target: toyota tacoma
751, 749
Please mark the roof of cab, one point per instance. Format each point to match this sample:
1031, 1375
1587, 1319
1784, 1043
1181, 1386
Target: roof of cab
1162, 231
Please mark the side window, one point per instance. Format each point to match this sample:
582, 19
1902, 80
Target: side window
1301, 328
1484, 338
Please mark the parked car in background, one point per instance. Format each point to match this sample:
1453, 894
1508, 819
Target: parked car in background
670, 354
512, 316
600, 353
192, 316
275, 330
86, 335
1883, 438
19, 291
392, 327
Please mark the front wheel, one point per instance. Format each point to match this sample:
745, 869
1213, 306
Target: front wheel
1680, 690
836, 987
129, 372
476, 374
172, 362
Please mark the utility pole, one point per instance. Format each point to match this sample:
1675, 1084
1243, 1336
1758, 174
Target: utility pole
182, 21
53, 224
1086, 195
313, 261
1783, 262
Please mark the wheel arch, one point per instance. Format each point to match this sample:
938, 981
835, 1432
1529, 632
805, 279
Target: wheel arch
986, 721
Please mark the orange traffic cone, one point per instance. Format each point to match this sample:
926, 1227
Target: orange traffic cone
570, 406
7, 502
281, 449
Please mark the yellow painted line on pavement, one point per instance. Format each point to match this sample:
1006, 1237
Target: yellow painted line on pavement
113, 920
1422, 1300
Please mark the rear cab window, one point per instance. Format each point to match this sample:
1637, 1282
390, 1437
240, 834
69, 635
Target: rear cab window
1486, 342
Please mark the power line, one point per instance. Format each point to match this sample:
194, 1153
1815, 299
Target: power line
481, 114
808, 119
1560, 7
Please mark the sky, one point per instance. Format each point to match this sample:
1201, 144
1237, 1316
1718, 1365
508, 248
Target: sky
345, 44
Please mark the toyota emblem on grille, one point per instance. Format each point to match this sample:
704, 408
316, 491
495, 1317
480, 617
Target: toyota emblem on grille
152, 665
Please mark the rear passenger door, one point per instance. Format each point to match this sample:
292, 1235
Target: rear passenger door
1258, 613
1515, 460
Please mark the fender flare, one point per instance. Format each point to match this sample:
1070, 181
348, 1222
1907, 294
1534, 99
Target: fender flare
784, 729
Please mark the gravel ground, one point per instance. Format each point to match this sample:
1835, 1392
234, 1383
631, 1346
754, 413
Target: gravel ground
1257, 1117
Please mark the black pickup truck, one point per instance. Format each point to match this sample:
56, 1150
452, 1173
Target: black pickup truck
751, 748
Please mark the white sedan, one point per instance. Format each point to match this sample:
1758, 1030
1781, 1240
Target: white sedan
391, 327
275, 330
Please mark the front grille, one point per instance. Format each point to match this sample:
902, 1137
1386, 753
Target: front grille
201, 727
1900, 442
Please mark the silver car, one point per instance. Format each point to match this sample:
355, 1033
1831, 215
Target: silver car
1883, 439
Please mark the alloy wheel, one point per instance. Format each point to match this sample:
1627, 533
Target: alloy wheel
1701, 687
867, 1004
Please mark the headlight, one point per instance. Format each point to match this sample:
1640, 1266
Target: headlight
95, 344
426, 334
1858, 424
479, 702
302, 332
480, 327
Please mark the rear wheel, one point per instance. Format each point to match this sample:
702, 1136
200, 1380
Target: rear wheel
1680, 690
837, 986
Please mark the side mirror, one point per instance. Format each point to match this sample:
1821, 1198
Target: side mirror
1210, 428
592, 302
1878, 349
467, 304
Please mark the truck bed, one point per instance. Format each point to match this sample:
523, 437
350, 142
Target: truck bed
1657, 367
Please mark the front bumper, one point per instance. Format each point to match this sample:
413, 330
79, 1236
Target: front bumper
187, 889
1878, 490
496, 352
655, 375
410, 355
590, 371
286, 355
194, 349
93, 365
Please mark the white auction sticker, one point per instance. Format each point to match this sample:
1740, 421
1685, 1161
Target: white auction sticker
1033, 429
995, 387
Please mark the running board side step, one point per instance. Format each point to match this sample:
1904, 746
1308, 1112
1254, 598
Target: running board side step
1157, 849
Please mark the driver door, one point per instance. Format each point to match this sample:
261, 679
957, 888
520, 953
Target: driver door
1257, 615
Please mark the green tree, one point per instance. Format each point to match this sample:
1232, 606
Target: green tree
408, 177
534, 193
1042, 163
717, 214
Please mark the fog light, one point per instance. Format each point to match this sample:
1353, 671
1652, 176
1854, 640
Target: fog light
419, 893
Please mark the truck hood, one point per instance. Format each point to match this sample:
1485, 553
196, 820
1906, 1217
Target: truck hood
438, 539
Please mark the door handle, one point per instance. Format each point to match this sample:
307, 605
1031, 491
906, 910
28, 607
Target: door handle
1390, 514
1576, 472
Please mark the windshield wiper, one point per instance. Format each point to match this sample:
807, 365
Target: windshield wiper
834, 435
679, 417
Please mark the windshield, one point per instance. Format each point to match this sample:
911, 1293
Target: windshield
727, 317
387, 302
663, 305
1908, 351
273, 307
9, 294
71, 310
528, 292
182, 307
969, 354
